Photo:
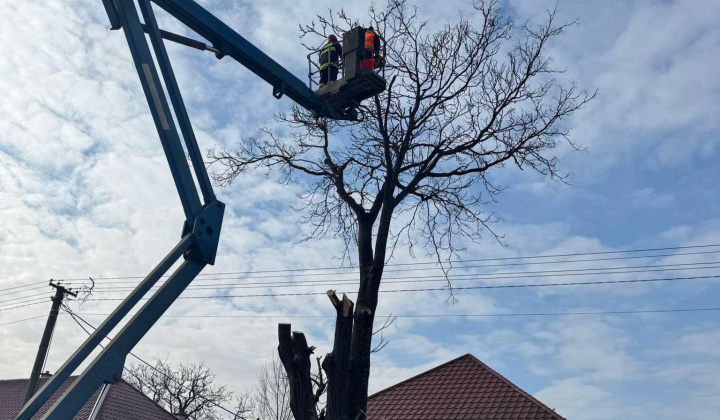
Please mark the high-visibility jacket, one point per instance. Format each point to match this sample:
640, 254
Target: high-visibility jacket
372, 41
330, 54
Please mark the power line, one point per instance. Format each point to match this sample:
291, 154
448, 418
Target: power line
27, 289
453, 261
517, 286
422, 279
679, 310
17, 301
22, 320
35, 296
409, 279
24, 285
22, 306
426, 279
34, 299
458, 268
497, 315
205, 279
445, 264
503, 286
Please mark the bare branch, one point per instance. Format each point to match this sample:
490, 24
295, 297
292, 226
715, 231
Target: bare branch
382, 343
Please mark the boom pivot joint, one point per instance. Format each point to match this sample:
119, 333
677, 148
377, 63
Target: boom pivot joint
205, 231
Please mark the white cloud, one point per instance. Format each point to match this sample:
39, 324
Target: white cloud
648, 197
574, 399
704, 343
591, 348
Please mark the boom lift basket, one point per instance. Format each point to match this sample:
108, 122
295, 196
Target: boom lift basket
355, 84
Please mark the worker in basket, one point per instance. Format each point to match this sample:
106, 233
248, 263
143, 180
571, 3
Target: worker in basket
330, 55
372, 49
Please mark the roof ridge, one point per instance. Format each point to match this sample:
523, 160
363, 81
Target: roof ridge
517, 388
27, 379
12, 380
382, 391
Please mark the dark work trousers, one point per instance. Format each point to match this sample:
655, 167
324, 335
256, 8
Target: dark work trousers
329, 73
369, 62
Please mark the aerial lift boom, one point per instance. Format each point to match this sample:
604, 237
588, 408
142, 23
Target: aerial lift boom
203, 217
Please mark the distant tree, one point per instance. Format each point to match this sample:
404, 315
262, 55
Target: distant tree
188, 390
462, 102
272, 392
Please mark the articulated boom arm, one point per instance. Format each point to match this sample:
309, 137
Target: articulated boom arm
203, 218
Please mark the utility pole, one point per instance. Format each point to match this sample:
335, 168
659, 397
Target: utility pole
60, 293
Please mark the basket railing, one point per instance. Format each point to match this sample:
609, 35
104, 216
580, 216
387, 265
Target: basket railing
313, 58
314, 68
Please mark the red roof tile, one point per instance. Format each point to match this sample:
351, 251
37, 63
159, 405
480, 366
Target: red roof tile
464, 388
123, 402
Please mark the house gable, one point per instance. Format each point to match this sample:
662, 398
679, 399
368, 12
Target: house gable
464, 388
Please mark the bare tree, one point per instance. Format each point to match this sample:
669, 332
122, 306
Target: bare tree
244, 407
272, 392
462, 102
188, 390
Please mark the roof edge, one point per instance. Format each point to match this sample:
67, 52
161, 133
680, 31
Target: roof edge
27, 379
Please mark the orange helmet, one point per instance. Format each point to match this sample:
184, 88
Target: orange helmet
332, 38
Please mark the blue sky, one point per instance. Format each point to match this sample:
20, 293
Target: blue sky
85, 191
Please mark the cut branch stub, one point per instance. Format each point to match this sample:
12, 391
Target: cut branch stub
295, 357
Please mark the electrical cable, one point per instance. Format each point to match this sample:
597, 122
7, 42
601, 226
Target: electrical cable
450, 262
485, 287
26, 290
423, 279
24, 285
500, 315
31, 300
680, 310
44, 298
22, 306
30, 297
405, 279
22, 320
205, 279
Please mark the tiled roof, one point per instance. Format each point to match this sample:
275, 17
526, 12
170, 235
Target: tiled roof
464, 388
123, 402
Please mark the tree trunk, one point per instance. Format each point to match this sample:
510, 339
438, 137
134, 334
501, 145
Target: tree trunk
336, 362
348, 365
364, 318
